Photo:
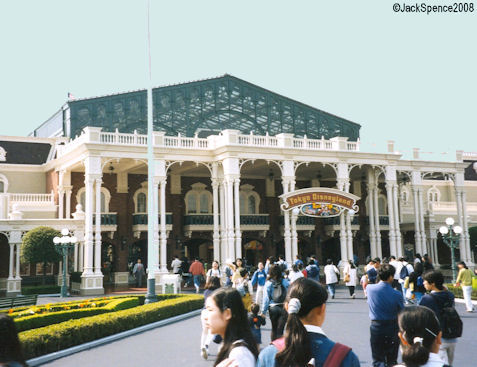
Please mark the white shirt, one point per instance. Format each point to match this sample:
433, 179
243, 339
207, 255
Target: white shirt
175, 265
243, 356
330, 274
292, 276
398, 266
314, 329
213, 272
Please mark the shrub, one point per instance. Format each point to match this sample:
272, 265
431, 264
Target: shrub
50, 318
42, 289
56, 337
458, 291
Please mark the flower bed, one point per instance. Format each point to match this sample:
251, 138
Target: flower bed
52, 338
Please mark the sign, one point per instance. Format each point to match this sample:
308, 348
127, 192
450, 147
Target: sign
320, 202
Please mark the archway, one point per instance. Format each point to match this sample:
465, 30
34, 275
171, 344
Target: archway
253, 252
201, 248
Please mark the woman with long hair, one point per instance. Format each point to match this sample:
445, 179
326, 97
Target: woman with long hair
351, 277
225, 315
305, 342
275, 292
420, 335
464, 279
10, 347
212, 284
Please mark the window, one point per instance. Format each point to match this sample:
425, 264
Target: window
2, 187
198, 200
3, 184
405, 196
382, 205
141, 203
105, 199
249, 200
433, 197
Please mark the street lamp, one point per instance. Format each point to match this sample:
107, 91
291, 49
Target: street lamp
451, 236
63, 244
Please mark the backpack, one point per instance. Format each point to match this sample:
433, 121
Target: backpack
420, 281
312, 271
404, 273
278, 292
451, 323
336, 356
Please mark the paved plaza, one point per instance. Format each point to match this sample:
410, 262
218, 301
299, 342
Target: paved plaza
178, 344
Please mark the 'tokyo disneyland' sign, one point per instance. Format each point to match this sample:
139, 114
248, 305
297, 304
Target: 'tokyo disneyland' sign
320, 202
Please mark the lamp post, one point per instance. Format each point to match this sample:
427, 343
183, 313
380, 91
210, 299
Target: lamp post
451, 236
63, 244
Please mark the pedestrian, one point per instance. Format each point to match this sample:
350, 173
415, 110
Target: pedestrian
176, 265
242, 285
281, 261
416, 282
228, 272
305, 343
211, 285
406, 270
464, 280
236, 267
331, 276
270, 261
398, 265
440, 300
10, 348
420, 336
214, 271
364, 283
256, 321
294, 273
417, 259
139, 272
384, 305
298, 260
372, 272
427, 263
351, 277
273, 298
313, 271
197, 271
259, 278
227, 317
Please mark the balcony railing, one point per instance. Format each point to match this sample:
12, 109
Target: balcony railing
107, 219
31, 199
141, 219
255, 219
199, 219
226, 137
383, 220
333, 221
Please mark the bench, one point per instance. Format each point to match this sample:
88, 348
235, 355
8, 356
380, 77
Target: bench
10, 302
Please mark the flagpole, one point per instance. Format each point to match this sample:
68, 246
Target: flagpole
151, 280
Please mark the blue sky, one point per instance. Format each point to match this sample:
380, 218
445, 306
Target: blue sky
404, 77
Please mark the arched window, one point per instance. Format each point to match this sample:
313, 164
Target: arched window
2, 187
3, 183
382, 205
105, 199
198, 200
405, 196
433, 196
249, 200
141, 203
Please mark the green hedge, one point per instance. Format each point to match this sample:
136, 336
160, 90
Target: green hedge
458, 291
67, 334
44, 319
41, 289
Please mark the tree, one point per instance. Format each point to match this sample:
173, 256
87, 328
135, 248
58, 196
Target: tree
38, 247
473, 238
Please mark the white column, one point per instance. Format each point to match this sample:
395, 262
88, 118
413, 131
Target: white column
155, 225
229, 203
392, 232
294, 233
286, 227
223, 231
61, 196
349, 233
396, 221
75, 257
215, 209
465, 229
81, 256
10, 265
97, 245
421, 221
238, 233
88, 226
417, 217
68, 202
17, 267
372, 230
163, 236
376, 222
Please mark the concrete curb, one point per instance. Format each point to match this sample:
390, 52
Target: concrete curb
96, 343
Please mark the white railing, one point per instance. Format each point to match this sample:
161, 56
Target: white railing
31, 199
451, 207
227, 137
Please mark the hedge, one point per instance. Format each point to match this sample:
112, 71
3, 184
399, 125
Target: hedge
458, 291
42, 289
67, 334
44, 319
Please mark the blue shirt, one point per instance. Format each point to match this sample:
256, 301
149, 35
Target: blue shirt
372, 275
298, 262
259, 276
267, 294
384, 302
320, 348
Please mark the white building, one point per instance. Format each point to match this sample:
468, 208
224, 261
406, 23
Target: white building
224, 150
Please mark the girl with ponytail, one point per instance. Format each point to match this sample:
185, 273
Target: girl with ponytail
420, 336
305, 342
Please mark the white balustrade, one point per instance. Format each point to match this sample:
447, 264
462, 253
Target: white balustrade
31, 199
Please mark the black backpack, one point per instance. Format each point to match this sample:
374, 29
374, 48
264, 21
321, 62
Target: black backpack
404, 272
278, 292
451, 324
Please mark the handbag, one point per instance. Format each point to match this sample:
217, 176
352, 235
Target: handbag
346, 278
